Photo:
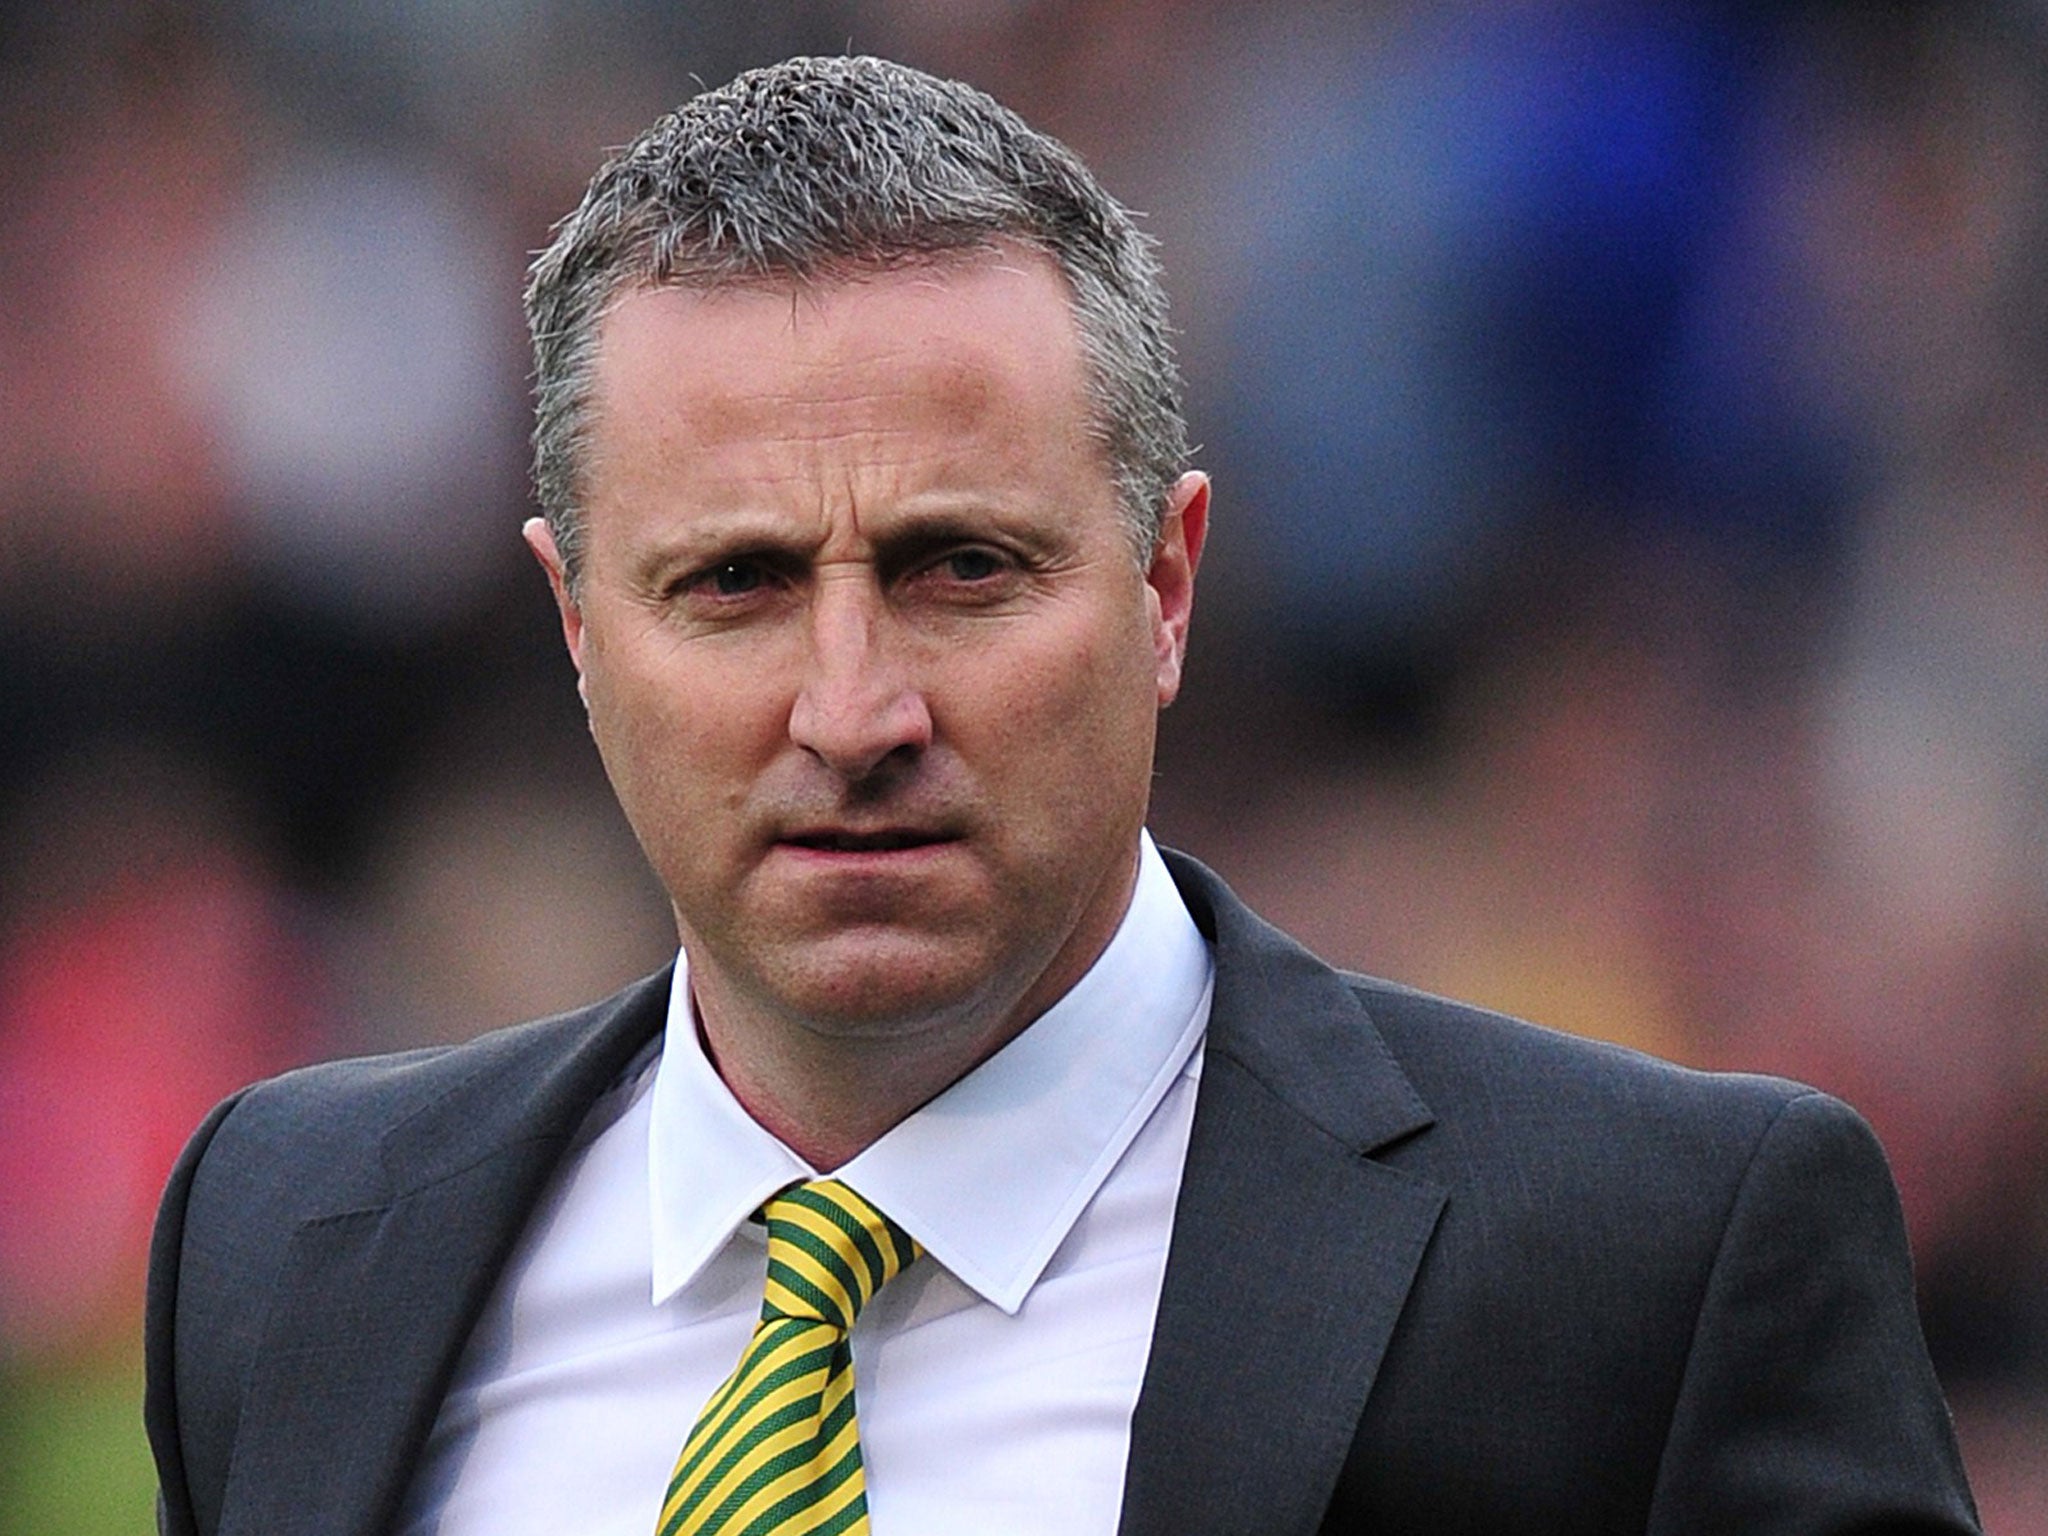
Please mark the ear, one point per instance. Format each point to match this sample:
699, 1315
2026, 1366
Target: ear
1170, 578
542, 543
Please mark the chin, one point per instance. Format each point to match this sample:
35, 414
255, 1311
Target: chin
888, 990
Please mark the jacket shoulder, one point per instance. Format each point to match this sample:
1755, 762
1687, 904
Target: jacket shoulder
1463, 1052
353, 1134
325, 1123
1529, 1122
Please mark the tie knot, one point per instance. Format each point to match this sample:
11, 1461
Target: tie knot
829, 1251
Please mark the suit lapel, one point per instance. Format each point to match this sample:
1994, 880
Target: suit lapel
374, 1305
1292, 1250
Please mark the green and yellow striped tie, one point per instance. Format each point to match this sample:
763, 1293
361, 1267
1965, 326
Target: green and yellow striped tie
776, 1452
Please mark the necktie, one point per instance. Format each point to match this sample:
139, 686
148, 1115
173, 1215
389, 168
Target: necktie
776, 1452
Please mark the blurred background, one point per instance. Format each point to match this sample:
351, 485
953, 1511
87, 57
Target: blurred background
1628, 604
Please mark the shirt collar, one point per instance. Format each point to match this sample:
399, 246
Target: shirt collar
992, 1174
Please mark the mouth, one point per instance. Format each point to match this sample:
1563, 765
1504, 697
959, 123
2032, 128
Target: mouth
883, 840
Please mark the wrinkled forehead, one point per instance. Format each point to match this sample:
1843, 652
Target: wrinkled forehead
999, 309
972, 357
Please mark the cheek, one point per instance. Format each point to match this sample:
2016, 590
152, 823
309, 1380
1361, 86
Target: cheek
676, 734
1070, 718
1113, 677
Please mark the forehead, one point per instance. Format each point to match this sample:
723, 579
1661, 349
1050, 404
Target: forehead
970, 343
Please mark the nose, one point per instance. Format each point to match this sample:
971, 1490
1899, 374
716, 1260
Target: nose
858, 709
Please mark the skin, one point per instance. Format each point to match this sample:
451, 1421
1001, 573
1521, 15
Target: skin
872, 666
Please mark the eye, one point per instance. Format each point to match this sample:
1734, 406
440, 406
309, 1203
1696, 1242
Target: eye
725, 581
973, 564
962, 572
733, 578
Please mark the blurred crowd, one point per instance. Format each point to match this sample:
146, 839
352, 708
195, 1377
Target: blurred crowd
1628, 604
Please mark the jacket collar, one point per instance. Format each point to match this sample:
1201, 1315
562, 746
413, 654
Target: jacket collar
1250, 1407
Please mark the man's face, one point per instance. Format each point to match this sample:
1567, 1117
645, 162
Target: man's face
867, 654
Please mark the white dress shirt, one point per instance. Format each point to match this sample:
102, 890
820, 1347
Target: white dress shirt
994, 1379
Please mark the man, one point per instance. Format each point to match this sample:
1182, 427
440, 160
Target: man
869, 521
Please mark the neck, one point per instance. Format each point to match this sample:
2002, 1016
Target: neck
829, 1098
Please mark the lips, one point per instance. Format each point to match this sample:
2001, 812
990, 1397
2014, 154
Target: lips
883, 840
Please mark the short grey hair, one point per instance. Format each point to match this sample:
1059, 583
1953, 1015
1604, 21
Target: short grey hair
818, 168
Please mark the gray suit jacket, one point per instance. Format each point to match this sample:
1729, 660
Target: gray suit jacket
1432, 1271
